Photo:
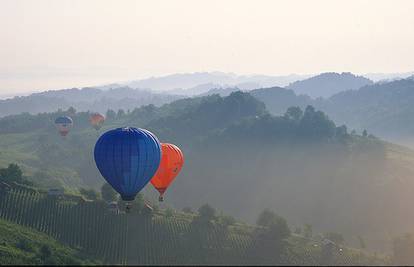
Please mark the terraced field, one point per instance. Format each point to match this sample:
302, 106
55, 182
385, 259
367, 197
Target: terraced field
147, 239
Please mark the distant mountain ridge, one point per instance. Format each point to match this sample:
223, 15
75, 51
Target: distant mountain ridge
187, 81
376, 77
327, 84
88, 98
161, 90
278, 99
129, 95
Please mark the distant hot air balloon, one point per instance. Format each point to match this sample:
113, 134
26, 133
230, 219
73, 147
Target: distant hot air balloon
172, 161
63, 124
97, 120
127, 158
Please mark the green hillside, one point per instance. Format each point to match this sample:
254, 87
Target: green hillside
241, 160
23, 245
160, 237
52, 161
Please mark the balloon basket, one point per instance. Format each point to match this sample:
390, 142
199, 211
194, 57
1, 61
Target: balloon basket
128, 207
160, 198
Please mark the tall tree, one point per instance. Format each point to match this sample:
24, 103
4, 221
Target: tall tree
12, 173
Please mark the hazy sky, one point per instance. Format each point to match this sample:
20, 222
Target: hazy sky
47, 44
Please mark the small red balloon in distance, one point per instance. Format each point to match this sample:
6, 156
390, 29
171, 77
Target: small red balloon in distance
172, 160
97, 120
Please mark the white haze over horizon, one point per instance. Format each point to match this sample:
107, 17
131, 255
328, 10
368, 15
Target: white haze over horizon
49, 44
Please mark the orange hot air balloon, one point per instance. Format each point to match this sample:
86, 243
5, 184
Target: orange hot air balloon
97, 120
172, 160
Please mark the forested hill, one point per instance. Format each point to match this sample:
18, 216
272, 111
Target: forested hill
384, 109
84, 99
236, 150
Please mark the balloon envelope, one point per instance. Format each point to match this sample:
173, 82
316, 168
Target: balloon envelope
172, 161
63, 124
127, 158
97, 120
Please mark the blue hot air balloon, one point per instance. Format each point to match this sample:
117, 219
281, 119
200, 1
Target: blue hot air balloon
63, 124
127, 158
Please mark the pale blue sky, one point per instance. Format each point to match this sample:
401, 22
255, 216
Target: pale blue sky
49, 44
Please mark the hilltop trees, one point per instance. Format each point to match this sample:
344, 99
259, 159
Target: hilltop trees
204, 115
294, 113
316, 125
309, 126
341, 132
